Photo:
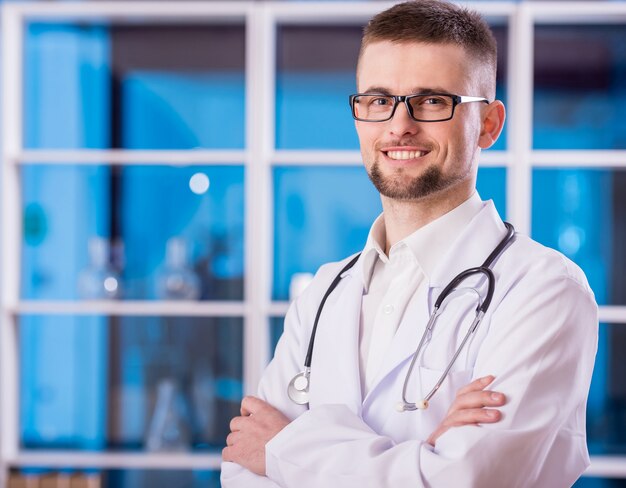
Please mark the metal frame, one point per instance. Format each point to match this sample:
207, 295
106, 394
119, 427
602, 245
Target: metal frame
259, 157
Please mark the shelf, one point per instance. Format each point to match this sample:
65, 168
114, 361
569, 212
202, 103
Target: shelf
607, 467
304, 157
185, 157
130, 308
278, 309
588, 159
118, 460
613, 314
607, 314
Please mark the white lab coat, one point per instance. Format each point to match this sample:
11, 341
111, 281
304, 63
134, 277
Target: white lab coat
538, 339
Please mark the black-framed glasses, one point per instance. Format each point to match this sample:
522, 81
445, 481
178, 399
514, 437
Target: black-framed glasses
422, 107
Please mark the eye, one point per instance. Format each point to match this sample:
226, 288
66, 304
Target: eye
380, 101
434, 101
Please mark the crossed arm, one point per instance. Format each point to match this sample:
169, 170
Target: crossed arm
260, 422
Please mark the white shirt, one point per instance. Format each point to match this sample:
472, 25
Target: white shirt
391, 282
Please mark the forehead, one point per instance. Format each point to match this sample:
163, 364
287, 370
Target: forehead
405, 67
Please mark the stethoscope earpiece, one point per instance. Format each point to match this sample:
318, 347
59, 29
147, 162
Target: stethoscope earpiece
409, 407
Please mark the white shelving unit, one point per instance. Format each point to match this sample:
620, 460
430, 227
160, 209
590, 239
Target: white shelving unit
260, 20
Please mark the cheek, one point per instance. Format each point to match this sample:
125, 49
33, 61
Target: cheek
367, 135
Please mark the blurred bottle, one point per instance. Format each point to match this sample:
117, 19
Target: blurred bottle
169, 426
204, 404
177, 281
99, 281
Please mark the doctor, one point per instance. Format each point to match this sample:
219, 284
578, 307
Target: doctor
511, 410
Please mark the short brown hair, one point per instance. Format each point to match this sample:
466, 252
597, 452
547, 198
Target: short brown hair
435, 22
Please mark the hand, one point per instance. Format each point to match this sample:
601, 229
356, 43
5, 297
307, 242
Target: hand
468, 407
258, 424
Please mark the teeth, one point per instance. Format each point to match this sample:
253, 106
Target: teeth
405, 154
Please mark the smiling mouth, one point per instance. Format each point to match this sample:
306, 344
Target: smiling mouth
405, 155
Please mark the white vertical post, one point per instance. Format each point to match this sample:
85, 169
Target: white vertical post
11, 234
519, 131
258, 183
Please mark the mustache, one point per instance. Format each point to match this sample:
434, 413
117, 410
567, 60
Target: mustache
404, 143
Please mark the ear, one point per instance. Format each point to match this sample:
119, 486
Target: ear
493, 122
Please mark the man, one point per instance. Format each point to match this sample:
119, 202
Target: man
534, 349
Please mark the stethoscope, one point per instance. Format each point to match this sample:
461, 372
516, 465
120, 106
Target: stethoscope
298, 389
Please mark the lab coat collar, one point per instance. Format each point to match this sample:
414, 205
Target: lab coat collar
427, 245
471, 247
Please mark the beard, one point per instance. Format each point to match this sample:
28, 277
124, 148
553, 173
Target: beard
400, 186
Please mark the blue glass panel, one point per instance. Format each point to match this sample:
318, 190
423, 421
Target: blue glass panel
324, 121
491, 185
501, 33
67, 86
75, 394
63, 206
316, 220
573, 212
158, 204
183, 110
203, 357
579, 100
315, 75
606, 409
276, 330
589, 482
63, 376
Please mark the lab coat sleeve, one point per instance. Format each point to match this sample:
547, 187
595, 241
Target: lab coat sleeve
288, 358
540, 347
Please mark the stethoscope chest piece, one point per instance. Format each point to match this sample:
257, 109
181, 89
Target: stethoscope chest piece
298, 389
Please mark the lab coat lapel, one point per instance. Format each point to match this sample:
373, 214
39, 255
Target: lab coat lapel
335, 364
470, 249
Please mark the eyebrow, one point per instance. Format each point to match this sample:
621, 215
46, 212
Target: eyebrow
424, 90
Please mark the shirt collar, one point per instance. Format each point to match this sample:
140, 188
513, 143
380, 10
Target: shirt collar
428, 244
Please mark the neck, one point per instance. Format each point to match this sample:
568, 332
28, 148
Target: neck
403, 217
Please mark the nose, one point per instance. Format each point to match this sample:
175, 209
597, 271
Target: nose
401, 123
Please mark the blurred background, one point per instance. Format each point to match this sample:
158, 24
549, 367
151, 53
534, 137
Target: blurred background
171, 170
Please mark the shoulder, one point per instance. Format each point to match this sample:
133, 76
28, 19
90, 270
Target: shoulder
529, 265
328, 271
536, 258
322, 280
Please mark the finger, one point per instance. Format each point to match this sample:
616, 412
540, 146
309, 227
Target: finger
230, 439
473, 416
476, 385
250, 405
226, 454
478, 399
237, 423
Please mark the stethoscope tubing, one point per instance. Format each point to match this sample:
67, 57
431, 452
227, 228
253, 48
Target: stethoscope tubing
481, 309
309, 355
